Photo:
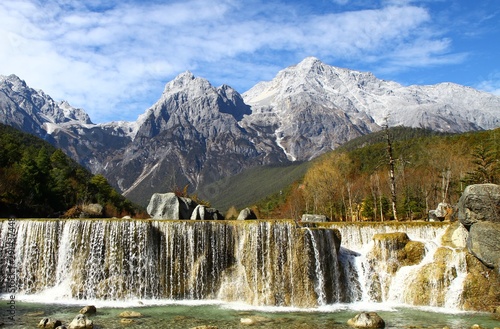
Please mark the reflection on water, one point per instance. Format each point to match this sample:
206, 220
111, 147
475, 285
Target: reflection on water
229, 316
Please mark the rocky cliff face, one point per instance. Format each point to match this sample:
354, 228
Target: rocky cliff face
196, 133
34, 111
190, 136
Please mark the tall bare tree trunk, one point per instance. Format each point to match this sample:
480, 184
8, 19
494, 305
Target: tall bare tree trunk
350, 201
446, 183
391, 172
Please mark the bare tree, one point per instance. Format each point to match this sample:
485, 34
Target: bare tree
391, 170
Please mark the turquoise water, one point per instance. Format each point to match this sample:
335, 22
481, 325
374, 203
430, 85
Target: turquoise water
28, 315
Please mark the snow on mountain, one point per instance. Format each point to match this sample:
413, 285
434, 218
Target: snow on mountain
314, 107
445, 107
305, 106
29, 110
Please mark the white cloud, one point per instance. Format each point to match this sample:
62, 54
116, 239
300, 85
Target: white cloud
491, 84
114, 62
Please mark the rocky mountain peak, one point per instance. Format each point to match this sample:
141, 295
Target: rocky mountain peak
34, 111
188, 84
311, 66
13, 82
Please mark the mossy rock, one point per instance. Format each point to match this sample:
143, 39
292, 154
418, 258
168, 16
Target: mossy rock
428, 278
397, 250
415, 252
443, 254
130, 314
396, 240
431, 282
481, 292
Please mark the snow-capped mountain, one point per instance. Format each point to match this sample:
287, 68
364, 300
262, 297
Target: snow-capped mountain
197, 133
316, 107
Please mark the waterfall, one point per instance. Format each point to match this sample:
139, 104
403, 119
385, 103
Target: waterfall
380, 274
263, 263
320, 285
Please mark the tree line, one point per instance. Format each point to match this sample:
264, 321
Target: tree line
38, 180
353, 183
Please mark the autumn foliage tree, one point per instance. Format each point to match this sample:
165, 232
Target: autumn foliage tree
353, 184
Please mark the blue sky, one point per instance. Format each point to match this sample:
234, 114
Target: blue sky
113, 58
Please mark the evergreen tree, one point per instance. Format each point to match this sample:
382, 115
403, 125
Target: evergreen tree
486, 165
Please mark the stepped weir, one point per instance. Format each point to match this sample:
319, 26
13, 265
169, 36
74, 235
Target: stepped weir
261, 263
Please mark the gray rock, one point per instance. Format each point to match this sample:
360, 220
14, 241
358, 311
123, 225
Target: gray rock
205, 213
484, 243
367, 320
314, 218
170, 206
246, 214
91, 210
49, 323
479, 202
441, 213
81, 322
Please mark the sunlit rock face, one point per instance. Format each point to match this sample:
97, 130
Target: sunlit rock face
263, 263
390, 252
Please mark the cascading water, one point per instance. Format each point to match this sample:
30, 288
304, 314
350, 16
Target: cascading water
320, 285
402, 263
256, 262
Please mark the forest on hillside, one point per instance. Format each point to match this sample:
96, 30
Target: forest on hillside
353, 183
38, 180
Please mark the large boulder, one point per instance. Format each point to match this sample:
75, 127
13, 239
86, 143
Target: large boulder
367, 320
88, 310
479, 211
484, 243
246, 214
170, 206
480, 202
81, 322
205, 213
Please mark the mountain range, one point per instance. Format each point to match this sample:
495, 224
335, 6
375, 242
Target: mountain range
197, 134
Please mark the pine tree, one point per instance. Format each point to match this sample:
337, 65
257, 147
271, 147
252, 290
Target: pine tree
487, 167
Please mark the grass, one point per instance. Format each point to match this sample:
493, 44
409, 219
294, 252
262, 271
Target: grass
252, 185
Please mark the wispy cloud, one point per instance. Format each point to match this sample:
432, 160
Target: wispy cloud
491, 84
114, 58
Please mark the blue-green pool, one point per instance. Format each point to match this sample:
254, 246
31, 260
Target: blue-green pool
223, 315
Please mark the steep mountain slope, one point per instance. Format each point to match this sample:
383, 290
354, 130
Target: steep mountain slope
190, 136
33, 111
313, 107
197, 134
61, 124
